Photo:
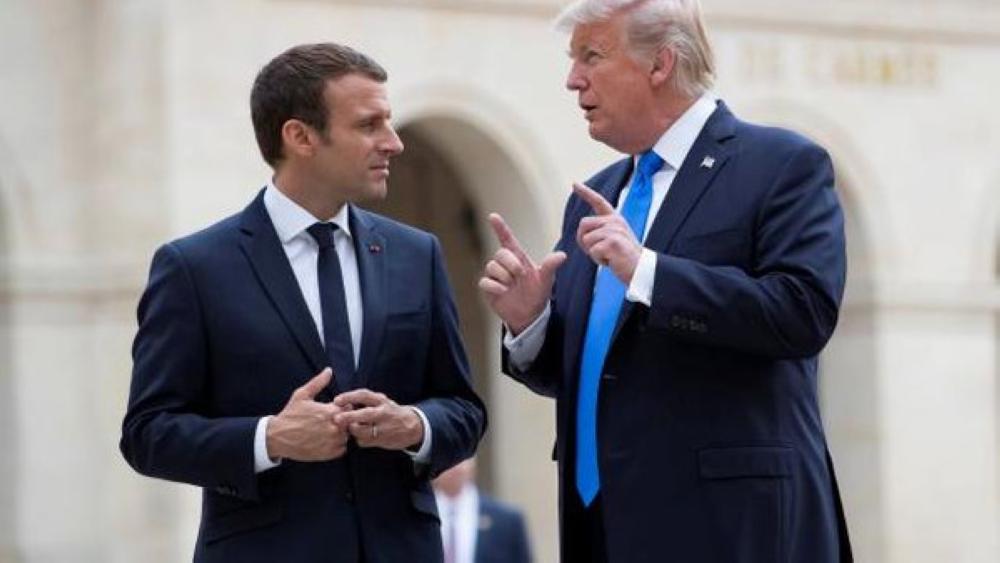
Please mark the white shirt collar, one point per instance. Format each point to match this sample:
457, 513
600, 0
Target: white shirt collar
674, 145
291, 220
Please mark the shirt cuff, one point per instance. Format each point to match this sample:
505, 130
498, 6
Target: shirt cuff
524, 348
261, 461
641, 288
423, 455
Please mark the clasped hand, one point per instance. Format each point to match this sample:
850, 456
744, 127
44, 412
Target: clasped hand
309, 430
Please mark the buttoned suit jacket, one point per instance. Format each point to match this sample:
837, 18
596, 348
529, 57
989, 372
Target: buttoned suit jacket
710, 443
225, 337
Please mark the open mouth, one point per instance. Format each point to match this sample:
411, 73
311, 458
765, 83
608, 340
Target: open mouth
588, 109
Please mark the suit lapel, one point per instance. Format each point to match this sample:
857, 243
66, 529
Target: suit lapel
267, 257
706, 158
370, 249
582, 270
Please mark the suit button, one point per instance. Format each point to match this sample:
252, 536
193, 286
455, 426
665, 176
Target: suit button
349, 496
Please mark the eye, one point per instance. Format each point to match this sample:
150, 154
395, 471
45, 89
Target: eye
590, 56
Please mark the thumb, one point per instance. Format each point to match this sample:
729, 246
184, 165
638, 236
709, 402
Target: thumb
551, 263
313, 386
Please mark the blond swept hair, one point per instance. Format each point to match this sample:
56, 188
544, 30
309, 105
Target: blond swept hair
653, 25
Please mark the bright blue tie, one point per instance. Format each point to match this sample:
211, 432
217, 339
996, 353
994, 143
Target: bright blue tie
609, 292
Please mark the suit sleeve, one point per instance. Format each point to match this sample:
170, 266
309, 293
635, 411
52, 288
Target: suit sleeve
786, 306
166, 432
456, 414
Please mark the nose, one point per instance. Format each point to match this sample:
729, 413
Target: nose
575, 81
392, 145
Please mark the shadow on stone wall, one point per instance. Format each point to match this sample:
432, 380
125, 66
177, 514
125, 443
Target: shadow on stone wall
849, 392
8, 401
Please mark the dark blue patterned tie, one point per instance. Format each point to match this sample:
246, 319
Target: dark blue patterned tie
609, 292
333, 303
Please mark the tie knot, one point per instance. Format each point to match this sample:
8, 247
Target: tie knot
649, 163
322, 233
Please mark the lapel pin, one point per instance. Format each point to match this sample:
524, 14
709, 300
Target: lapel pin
708, 162
374, 248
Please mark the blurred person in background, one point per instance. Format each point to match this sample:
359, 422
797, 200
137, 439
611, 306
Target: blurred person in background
301, 360
476, 528
679, 320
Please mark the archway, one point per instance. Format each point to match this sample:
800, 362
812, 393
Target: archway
461, 147
427, 192
453, 172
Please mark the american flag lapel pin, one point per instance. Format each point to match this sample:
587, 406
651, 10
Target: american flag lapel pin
708, 162
374, 248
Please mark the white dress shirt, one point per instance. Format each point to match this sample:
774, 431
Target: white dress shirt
290, 222
462, 512
673, 147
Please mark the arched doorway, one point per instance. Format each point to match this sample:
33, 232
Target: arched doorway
427, 192
464, 159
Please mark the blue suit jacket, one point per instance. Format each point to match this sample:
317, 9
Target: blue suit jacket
225, 337
710, 443
501, 536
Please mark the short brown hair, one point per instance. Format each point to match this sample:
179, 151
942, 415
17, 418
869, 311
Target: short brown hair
291, 86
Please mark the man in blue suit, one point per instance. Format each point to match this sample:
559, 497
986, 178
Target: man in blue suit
476, 528
301, 360
678, 322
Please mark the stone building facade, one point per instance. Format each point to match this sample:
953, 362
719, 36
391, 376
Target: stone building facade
124, 123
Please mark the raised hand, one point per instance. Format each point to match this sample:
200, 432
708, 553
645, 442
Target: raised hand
515, 287
606, 236
305, 429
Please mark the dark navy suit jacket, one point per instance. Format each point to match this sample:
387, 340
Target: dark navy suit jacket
710, 443
501, 536
225, 337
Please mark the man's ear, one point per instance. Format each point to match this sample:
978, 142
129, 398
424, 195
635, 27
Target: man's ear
298, 138
663, 67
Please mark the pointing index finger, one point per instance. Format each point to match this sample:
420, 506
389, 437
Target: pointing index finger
596, 201
507, 238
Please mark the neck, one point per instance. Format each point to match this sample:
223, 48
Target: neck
307, 193
669, 110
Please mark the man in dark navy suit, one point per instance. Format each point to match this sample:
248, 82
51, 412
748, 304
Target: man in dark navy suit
476, 528
301, 360
678, 322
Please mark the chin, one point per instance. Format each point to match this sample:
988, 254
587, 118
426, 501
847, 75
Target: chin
602, 137
377, 191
